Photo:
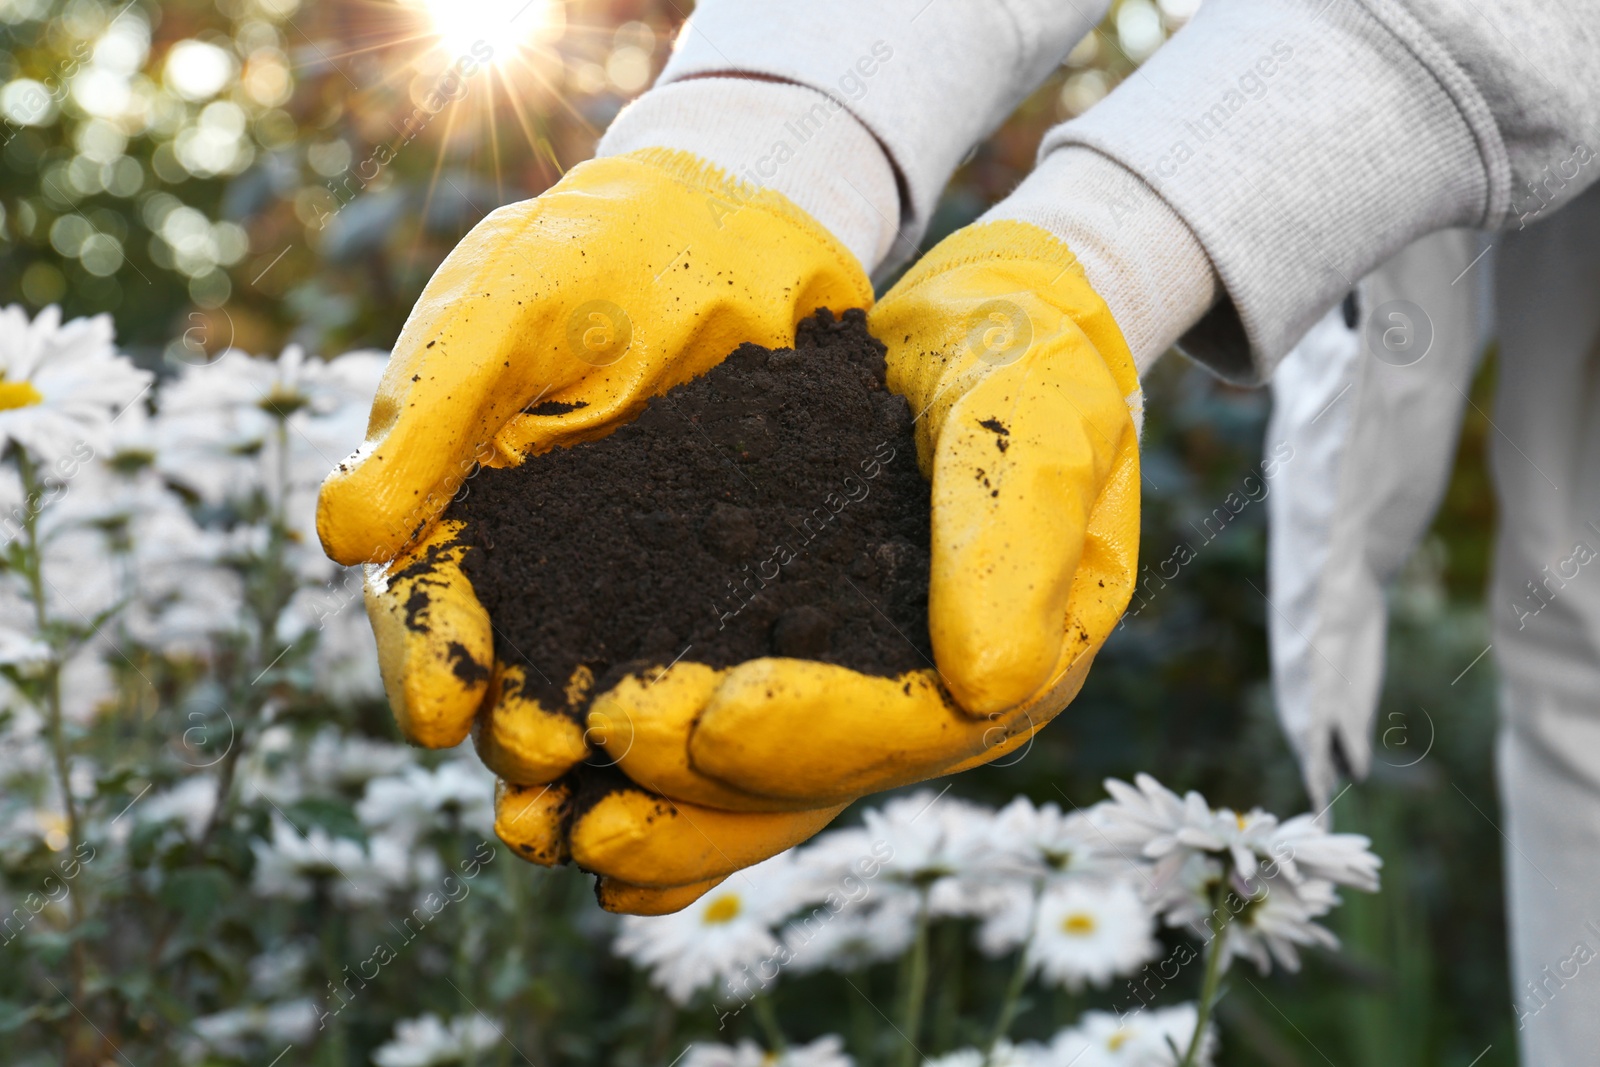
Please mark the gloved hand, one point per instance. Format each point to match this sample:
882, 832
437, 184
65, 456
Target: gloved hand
1023, 386
552, 322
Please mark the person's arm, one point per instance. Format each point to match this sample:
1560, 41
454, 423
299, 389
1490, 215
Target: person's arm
859, 113
1304, 143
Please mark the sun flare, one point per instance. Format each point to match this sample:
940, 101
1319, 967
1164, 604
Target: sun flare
467, 26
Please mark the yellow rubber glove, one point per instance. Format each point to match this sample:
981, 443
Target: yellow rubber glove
1024, 389
552, 322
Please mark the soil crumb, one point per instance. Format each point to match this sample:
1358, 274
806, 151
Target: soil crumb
772, 506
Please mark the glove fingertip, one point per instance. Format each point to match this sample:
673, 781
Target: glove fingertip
531, 820
987, 674
624, 898
647, 840
519, 738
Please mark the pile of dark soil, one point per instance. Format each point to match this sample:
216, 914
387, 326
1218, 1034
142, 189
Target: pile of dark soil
771, 507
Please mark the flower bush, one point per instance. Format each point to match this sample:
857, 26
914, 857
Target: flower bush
1074, 898
213, 851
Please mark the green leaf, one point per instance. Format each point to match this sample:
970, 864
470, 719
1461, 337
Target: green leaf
142, 842
197, 893
14, 1016
334, 816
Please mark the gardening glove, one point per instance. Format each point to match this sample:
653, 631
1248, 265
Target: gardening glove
552, 322
1025, 395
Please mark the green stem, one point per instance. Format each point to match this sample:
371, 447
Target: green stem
949, 965
518, 908
916, 990
1018, 982
666, 1028
465, 954
335, 1047
33, 570
1208, 994
863, 1023
767, 1019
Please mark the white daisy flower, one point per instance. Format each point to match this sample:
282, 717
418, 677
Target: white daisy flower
61, 385
281, 970
109, 540
127, 537
428, 1041
390, 863
188, 803
344, 658
724, 937
1040, 841
229, 429
88, 687
24, 751
1186, 900
292, 864
456, 795
1278, 919
1005, 1054
865, 885
1088, 931
334, 761
1026, 847
133, 435
286, 866
1151, 821
1008, 917
115, 531
847, 858
230, 1032
219, 421
1305, 850
1244, 837
939, 847
1145, 1038
823, 1052
859, 935
19, 648
1263, 921
271, 767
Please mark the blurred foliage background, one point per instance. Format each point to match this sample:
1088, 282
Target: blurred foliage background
206, 173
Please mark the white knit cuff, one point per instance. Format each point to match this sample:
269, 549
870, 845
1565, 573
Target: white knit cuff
929, 78
1141, 258
779, 136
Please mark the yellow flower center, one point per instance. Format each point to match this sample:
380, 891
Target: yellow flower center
282, 402
724, 909
18, 395
1078, 924
1240, 820
1117, 1040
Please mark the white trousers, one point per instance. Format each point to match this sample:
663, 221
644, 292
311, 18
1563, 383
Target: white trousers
1545, 611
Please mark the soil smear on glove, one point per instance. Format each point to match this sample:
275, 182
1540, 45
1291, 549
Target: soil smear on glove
771, 507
